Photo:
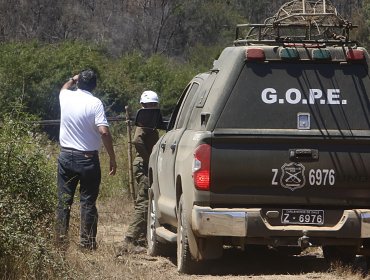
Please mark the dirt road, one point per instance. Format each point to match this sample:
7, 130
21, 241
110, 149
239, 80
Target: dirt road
235, 264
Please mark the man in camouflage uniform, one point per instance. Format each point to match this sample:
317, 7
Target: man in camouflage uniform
144, 140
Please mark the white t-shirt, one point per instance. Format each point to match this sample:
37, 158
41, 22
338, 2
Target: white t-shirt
81, 114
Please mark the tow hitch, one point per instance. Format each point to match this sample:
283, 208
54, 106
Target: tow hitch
303, 241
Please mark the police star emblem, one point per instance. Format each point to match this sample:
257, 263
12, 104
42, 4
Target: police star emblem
292, 176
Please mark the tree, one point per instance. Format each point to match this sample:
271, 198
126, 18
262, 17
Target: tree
151, 26
362, 18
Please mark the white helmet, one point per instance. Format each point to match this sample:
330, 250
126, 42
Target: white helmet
149, 96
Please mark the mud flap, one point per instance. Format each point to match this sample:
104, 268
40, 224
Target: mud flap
209, 248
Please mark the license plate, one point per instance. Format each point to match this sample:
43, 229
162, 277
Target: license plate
302, 217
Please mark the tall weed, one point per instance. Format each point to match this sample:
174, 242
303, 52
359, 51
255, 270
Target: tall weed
27, 203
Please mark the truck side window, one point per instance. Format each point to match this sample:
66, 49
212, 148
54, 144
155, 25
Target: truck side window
194, 122
177, 109
186, 106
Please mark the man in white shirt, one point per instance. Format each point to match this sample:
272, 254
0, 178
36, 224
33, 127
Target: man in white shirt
83, 126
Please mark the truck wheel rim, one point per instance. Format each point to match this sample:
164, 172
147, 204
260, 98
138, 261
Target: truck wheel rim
180, 242
152, 220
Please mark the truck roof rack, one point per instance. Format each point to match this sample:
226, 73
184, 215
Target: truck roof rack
298, 21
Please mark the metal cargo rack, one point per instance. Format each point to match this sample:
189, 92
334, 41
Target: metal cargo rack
299, 21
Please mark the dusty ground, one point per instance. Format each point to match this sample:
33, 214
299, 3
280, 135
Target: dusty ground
238, 265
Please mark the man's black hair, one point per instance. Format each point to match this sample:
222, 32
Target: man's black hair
87, 80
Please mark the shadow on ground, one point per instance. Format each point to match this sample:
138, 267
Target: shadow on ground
268, 262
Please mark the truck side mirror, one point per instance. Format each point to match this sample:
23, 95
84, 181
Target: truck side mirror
150, 118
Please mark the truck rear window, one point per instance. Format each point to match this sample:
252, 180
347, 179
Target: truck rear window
270, 96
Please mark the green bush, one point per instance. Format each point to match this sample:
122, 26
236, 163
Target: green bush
125, 78
27, 203
32, 73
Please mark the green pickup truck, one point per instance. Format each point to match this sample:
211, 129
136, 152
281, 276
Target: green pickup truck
270, 147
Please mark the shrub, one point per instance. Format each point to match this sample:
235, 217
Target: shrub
27, 203
32, 73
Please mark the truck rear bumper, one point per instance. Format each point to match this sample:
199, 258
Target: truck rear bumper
248, 222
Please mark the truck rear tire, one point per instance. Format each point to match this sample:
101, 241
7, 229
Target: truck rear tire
185, 263
156, 247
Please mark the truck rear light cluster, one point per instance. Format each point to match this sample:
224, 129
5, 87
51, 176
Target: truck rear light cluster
321, 54
289, 52
255, 54
355, 54
202, 167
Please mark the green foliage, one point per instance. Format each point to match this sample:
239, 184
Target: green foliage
167, 77
362, 19
125, 78
31, 73
209, 22
27, 203
201, 57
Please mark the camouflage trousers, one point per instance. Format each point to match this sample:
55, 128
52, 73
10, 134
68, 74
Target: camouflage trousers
137, 228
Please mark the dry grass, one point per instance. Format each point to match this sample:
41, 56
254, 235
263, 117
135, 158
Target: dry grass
114, 217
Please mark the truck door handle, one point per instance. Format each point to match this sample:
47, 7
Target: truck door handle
303, 155
173, 146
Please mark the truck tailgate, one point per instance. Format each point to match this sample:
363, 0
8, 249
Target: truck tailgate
264, 172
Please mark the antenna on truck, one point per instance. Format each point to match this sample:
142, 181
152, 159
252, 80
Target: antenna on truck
299, 20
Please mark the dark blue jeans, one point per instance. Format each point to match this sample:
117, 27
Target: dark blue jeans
78, 167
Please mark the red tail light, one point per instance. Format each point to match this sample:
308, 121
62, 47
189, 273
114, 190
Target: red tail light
255, 54
355, 54
202, 167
